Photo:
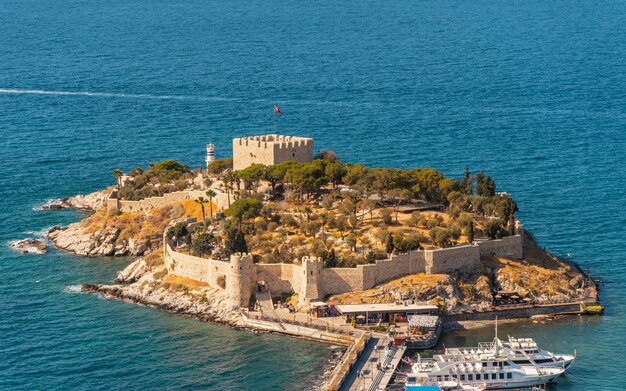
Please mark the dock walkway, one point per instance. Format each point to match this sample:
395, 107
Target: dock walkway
367, 374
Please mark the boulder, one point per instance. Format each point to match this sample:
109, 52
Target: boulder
30, 246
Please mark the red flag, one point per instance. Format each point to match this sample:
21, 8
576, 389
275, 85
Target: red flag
277, 110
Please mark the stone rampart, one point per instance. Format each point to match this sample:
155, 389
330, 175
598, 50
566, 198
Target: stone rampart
196, 268
452, 259
270, 149
510, 247
220, 202
280, 277
312, 281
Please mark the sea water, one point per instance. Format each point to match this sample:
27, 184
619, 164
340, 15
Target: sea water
531, 92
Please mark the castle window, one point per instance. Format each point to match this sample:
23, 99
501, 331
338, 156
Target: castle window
311, 272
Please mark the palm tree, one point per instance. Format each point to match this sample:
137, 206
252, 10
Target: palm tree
229, 179
201, 201
211, 193
117, 173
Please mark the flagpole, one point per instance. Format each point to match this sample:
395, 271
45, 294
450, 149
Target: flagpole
274, 121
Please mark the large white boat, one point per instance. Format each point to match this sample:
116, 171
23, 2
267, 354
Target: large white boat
522, 351
526, 349
488, 368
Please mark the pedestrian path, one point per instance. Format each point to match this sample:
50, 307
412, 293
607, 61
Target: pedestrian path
375, 368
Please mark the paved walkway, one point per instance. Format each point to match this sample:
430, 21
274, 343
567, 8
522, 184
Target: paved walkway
366, 374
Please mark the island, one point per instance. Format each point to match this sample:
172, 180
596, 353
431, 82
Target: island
277, 239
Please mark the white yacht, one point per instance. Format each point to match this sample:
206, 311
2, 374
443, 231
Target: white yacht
522, 351
526, 349
427, 385
483, 368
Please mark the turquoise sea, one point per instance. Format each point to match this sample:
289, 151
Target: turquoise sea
532, 92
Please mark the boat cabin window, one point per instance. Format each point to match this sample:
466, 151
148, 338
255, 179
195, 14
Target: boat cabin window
493, 376
462, 377
506, 364
455, 377
484, 364
501, 375
509, 375
478, 376
543, 360
446, 378
521, 361
411, 379
438, 378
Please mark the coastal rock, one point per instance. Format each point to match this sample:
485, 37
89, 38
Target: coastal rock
30, 246
205, 304
91, 201
104, 242
54, 205
133, 272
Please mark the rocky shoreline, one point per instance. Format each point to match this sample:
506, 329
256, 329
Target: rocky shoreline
210, 310
89, 202
141, 283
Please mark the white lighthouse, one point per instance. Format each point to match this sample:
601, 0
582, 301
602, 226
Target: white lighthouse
210, 154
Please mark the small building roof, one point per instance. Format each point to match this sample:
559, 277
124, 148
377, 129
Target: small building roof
318, 304
384, 307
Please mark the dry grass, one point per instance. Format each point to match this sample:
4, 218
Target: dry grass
381, 293
145, 225
185, 282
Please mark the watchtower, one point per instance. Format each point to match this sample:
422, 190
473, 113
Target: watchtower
312, 269
271, 149
239, 285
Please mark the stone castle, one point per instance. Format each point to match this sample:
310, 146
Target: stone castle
310, 280
271, 149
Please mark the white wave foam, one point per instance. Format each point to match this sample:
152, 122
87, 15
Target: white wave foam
16, 245
73, 289
112, 95
41, 234
49, 202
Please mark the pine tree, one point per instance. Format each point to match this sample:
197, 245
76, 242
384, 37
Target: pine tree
389, 246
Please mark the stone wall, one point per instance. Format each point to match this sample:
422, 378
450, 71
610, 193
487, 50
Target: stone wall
312, 281
220, 201
270, 149
196, 268
280, 277
446, 260
510, 247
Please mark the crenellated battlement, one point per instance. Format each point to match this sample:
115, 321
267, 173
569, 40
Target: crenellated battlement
271, 149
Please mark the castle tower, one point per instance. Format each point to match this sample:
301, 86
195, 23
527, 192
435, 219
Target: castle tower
210, 154
239, 285
310, 289
271, 149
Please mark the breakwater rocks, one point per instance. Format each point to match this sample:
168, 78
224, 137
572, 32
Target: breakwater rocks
207, 304
29, 246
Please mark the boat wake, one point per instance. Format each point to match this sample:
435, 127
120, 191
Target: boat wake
112, 95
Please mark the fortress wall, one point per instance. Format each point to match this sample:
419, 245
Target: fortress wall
451, 259
399, 265
339, 280
300, 151
219, 202
270, 149
510, 247
196, 268
278, 277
